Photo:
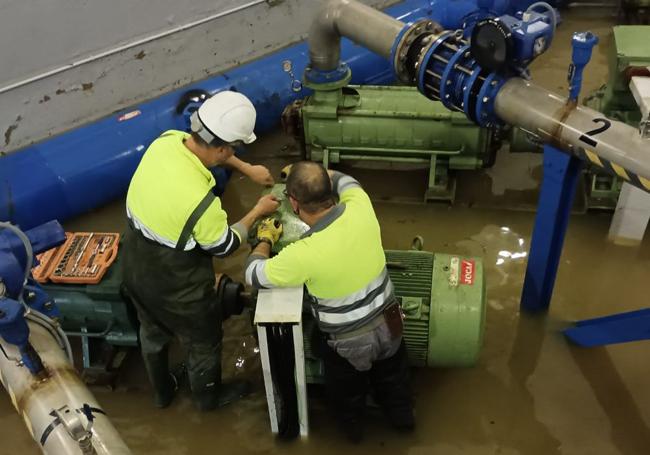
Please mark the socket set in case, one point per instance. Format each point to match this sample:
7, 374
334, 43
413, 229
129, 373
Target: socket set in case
84, 258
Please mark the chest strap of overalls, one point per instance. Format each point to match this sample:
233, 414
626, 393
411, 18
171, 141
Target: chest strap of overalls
193, 219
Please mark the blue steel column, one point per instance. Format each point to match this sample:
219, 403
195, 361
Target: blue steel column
561, 172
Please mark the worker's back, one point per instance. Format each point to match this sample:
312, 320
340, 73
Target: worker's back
347, 255
340, 260
167, 186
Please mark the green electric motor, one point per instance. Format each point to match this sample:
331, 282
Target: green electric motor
391, 125
442, 297
104, 318
97, 310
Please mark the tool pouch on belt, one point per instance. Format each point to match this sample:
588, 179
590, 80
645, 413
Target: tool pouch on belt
393, 318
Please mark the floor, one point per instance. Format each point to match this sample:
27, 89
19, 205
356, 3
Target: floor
530, 393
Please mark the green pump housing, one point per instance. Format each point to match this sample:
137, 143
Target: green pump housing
390, 124
104, 318
628, 55
96, 310
442, 297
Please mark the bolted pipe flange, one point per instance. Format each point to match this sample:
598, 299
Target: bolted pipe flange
327, 80
407, 47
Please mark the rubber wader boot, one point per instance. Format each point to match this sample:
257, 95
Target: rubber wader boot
209, 393
164, 385
220, 395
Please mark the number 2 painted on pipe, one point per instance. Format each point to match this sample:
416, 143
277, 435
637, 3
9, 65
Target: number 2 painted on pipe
606, 124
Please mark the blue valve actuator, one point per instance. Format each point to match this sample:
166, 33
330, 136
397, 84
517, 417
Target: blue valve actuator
583, 44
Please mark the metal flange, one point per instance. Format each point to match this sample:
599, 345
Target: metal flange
401, 52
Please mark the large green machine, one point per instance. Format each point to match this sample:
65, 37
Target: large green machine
629, 55
442, 297
390, 124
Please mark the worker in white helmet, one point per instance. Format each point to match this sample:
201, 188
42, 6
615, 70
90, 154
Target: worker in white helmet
177, 225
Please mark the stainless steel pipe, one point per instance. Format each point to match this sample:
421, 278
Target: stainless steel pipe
36, 399
576, 129
362, 24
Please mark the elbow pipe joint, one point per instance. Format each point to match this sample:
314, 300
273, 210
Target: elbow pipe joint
325, 39
351, 19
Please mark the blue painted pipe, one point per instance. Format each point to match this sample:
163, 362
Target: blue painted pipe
89, 166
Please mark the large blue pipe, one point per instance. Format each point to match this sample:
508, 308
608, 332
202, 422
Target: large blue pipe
89, 166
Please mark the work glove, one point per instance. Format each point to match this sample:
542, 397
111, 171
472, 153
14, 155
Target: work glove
269, 230
284, 173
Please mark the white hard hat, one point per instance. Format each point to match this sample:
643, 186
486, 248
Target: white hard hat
228, 116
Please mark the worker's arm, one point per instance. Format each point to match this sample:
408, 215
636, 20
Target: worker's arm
287, 269
342, 182
229, 238
268, 232
257, 173
265, 206
262, 250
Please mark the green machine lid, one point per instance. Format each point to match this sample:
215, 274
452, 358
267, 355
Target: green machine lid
632, 44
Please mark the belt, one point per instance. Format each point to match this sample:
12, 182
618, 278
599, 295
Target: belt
138, 233
366, 328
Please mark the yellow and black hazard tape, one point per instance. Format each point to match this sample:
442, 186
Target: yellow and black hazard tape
615, 169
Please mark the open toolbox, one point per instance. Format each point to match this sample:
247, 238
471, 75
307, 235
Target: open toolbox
83, 258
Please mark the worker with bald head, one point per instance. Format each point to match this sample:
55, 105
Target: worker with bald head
341, 262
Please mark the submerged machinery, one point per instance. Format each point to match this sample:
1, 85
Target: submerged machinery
390, 124
104, 319
397, 124
36, 367
442, 297
483, 74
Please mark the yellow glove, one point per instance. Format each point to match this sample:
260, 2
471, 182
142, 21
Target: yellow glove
269, 230
284, 173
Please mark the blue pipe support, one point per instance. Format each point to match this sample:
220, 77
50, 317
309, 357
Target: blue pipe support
612, 329
561, 172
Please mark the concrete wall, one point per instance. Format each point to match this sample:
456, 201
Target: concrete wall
67, 62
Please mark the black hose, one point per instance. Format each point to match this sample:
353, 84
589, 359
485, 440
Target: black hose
282, 360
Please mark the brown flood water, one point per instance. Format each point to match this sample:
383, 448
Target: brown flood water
530, 393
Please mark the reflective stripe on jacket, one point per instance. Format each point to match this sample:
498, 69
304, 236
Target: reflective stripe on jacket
340, 260
169, 184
